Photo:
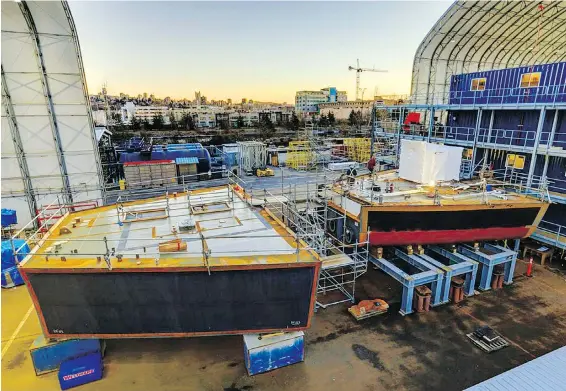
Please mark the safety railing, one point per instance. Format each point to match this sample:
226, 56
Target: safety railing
551, 233
110, 249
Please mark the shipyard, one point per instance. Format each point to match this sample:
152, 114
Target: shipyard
412, 237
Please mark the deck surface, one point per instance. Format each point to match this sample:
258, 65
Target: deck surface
227, 229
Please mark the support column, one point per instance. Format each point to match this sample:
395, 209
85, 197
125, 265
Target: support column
510, 266
476, 132
488, 140
470, 282
486, 273
535, 147
549, 142
407, 300
430, 123
399, 132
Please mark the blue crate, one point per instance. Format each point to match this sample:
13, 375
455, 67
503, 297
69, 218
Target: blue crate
9, 217
48, 356
80, 370
269, 353
11, 277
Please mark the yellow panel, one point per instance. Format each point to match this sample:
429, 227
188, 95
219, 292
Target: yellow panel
519, 162
510, 161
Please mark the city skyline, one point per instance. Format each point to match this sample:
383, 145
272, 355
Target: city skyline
265, 51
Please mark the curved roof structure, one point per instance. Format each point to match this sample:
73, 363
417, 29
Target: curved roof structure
48, 142
482, 35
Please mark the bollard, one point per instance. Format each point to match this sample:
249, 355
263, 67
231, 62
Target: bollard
530, 268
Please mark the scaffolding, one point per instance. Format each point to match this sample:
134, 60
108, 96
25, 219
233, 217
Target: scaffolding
305, 210
301, 155
251, 156
358, 149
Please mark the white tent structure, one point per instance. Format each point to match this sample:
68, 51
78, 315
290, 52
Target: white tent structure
49, 148
483, 35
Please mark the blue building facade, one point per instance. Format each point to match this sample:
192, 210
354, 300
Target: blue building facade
511, 120
543, 83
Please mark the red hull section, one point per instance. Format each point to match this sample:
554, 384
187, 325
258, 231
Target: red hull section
444, 236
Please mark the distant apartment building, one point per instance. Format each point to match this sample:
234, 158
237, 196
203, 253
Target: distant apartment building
342, 110
206, 116
130, 110
306, 102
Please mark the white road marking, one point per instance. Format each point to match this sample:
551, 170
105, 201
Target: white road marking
9, 343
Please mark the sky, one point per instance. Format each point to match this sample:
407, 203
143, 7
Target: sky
264, 51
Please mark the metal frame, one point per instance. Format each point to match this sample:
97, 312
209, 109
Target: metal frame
20, 153
475, 36
459, 265
409, 281
501, 256
68, 197
44, 90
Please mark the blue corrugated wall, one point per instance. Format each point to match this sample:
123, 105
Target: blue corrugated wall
503, 86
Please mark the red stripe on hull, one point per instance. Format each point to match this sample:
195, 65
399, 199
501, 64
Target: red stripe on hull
445, 236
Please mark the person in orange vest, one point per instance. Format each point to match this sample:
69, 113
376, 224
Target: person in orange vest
371, 164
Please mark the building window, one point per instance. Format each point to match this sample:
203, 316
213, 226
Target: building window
478, 84
531, 79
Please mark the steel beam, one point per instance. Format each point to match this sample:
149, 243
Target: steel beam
462, 265
488, 140
80, 64
408, 281
549, 143
535, 146
68, 197
436, 286
430, 124
19, 148
448, 274
501, 256
476, 134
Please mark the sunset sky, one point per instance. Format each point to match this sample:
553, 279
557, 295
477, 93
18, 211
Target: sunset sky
260, 50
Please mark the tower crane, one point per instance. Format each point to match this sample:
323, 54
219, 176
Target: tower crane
359, 70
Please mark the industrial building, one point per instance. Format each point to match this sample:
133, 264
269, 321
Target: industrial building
389, 260
504, 103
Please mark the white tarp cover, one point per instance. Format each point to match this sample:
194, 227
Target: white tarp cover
48, 142
427, 163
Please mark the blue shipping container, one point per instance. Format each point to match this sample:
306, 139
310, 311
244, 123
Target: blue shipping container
80, 370
266, 354
48, 356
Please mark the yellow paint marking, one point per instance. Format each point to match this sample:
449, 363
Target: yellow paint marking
15, 334
91, 222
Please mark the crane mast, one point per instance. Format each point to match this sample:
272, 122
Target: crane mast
359, 70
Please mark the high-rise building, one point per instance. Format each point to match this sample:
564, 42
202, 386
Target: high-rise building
307, 102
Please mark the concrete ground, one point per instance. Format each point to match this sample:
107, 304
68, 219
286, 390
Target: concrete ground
426, 351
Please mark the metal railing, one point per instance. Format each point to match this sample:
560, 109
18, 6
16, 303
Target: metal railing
551, 233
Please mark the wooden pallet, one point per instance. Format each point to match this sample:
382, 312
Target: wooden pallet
488, 347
